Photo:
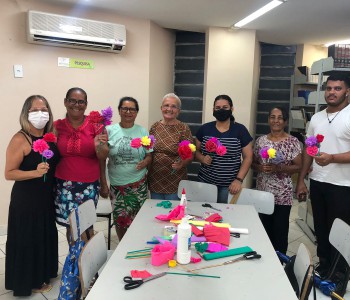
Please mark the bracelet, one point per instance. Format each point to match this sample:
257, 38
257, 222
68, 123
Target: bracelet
239, 179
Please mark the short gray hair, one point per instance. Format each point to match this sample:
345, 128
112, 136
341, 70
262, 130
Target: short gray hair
172, 95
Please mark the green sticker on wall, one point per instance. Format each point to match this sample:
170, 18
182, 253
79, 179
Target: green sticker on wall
81, 63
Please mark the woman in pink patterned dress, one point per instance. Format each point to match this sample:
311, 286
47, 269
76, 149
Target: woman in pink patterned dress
274, 175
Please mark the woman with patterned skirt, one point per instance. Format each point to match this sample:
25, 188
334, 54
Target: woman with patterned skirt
127, 166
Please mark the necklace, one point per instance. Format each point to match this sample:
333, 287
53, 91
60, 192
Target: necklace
331, 120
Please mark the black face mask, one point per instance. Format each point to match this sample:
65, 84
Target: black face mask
222, 114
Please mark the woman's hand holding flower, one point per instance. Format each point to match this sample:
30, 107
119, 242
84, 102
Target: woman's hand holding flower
206, 160
177, 165
42, 168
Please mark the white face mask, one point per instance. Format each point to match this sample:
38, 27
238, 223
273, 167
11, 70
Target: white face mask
38, 119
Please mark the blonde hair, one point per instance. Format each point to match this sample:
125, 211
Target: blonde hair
23, 118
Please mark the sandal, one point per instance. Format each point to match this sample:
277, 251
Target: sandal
44, 288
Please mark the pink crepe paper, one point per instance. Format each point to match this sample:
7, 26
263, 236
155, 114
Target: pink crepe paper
214, 218
140, 274
217, 234
176, 214
162, 253
195, 260
215, 247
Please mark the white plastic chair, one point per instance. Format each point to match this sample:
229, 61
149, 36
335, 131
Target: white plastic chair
264, 202
303, 268
198, 191
104, 210
91, 259
87, 218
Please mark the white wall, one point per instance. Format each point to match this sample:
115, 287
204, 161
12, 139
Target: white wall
135, 72
232, 68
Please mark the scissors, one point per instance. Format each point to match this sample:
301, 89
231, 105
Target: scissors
248, 255
135, 283
209, 205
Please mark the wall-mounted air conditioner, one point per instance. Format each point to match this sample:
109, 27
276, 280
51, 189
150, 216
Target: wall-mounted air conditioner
56, 30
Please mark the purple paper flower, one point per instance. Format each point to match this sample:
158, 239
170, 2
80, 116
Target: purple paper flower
47, 154
311, 141
107, 115
152, 138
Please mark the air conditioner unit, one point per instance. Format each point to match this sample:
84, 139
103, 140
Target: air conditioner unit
64, 31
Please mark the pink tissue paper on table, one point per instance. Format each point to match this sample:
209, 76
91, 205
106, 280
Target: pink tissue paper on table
162, 253
140, 274
195, 260
176, 214
214, 218
215, 247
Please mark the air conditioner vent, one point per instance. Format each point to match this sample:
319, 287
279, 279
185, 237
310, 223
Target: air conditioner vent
57, 30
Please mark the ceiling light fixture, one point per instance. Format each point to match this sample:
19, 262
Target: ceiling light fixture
261, 11
337, 43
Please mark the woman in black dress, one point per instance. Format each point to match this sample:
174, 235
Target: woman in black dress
32, 240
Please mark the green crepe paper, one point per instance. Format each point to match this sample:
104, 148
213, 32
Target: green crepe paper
201, 247
230, 252
165, 204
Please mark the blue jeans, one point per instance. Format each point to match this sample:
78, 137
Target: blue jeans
159, 196
222, 194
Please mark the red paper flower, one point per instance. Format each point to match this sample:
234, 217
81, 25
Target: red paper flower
319, 138
185, 152
210, 146
50, 137
312, 151
40, 146
95, 117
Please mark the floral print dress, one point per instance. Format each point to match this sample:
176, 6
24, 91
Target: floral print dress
279, 184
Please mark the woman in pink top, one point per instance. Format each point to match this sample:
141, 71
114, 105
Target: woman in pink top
78, 171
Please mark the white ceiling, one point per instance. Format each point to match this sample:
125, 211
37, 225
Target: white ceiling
296, 22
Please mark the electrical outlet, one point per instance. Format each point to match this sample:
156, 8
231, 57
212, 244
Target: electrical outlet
18, 71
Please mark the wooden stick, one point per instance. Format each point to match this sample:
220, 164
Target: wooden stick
189, 274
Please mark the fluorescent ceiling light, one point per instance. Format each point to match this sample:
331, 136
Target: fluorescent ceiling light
338, 43
259, 12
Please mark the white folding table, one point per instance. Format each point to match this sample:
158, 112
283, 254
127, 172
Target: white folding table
251, 280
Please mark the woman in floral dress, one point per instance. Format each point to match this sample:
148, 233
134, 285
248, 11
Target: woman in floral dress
127, 166
274, 176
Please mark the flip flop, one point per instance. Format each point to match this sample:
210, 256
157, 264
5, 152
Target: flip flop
44, 288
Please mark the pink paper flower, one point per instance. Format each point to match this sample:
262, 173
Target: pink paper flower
221, 150
263, 153
312, 150
136, 143
40, 146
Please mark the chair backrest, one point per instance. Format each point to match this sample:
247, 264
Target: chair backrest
339, 237
91, 259
87, 218
264, 202
104, 206
198, 191
303, 268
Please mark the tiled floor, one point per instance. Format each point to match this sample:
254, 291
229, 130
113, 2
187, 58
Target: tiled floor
296, 236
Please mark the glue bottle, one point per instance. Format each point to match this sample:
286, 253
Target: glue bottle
183, 200
183, 252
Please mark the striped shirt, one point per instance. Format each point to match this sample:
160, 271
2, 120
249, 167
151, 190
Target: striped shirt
223, 169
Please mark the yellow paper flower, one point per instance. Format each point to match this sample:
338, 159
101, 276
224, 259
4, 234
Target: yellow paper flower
145, 141
271, 152
192, 147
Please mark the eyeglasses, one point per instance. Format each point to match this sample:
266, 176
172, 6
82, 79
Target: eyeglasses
39, 109
75, 101
128, 109
168, 106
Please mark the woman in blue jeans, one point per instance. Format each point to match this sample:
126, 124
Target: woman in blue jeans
224, 169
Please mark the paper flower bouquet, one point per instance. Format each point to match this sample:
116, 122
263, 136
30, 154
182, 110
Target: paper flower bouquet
313, 144
213, 145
